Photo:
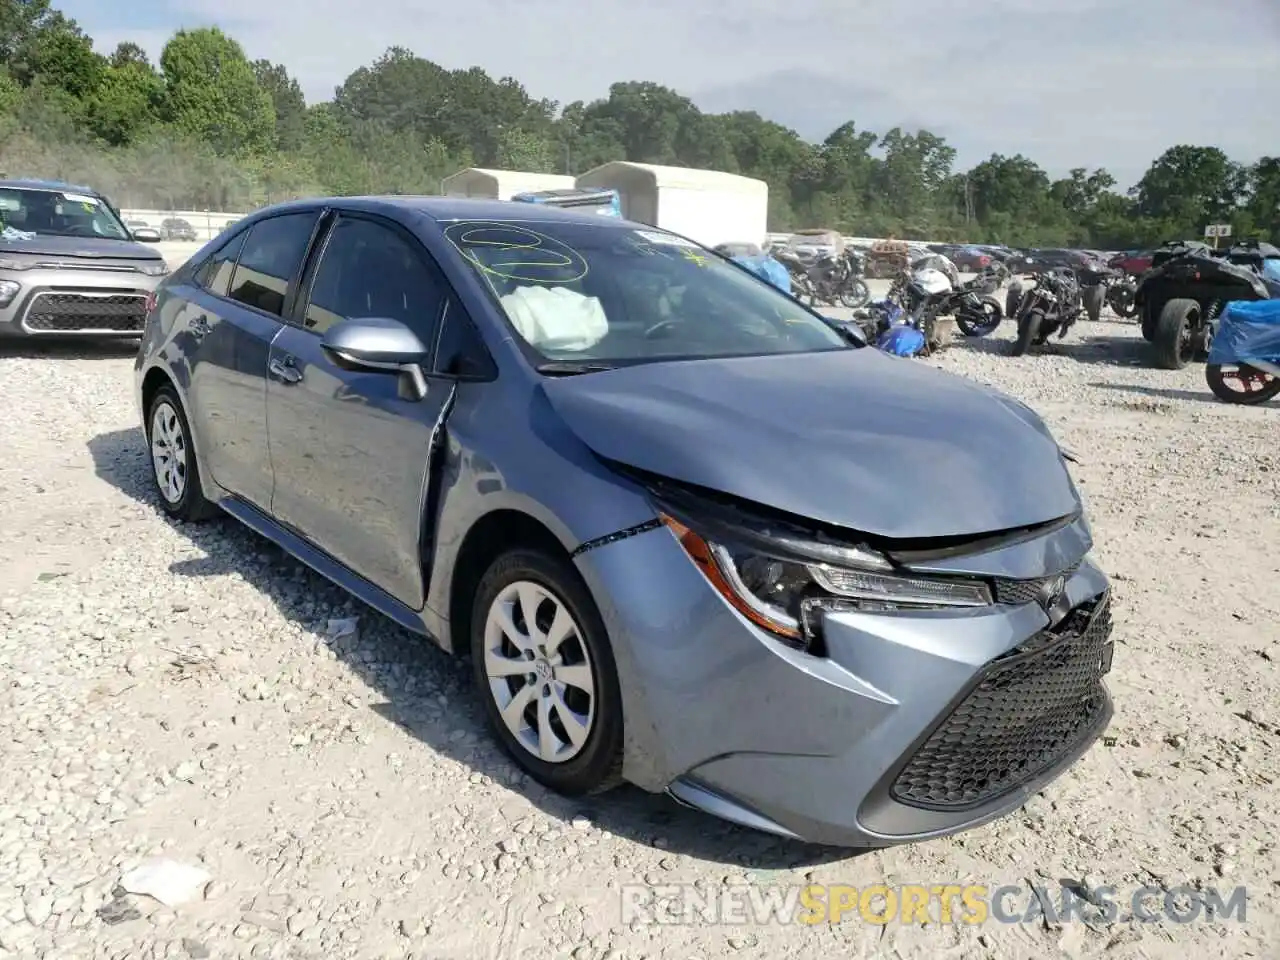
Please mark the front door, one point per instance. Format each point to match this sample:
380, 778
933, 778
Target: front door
349, 452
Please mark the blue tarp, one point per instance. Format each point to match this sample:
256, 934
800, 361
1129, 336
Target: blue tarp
767, 268
1248, 330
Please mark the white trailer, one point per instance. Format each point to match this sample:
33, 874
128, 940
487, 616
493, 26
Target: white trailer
705, 205
500, 184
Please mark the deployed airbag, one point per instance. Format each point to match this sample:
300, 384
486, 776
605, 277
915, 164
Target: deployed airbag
556, 317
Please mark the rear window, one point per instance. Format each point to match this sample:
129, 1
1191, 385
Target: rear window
270, 259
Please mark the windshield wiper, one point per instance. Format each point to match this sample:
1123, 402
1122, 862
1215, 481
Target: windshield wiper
568, 368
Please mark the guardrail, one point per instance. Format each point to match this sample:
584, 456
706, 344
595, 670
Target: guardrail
207, 224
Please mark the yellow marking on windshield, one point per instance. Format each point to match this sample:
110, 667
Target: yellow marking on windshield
541, 259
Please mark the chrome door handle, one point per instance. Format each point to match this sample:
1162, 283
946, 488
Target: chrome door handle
284, 370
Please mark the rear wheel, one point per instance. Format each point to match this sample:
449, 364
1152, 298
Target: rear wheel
1092, 298
982, 320
1177, 334
173, 459
1241, 383
1028, 330
855, 293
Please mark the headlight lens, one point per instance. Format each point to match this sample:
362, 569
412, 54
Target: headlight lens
157, 269
8, 290
788, 596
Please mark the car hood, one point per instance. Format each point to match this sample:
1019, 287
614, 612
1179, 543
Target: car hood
888, 447
84, 247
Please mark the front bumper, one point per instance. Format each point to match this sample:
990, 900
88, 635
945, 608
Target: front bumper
71, 302
915, 725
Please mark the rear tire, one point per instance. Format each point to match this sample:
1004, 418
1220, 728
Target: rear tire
855, 294
1092, 298
174, 470
980, 326
1028, 330
583, 754
1268, 385
1174, 336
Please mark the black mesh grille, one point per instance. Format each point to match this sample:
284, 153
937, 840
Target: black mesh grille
1024, 591
1031, 707
69, 312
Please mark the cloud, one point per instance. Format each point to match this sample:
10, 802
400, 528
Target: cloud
1067, 82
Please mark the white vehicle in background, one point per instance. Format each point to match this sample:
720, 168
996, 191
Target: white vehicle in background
143, 232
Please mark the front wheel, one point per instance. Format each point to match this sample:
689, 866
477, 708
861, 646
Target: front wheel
981, 320
1241, 383
1175, 334
1092, 299
1028, 330
545, 670
855, 293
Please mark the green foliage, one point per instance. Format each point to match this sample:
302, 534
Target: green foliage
209, 128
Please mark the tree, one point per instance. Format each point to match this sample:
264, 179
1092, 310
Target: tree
211, 92
1188, 187
290, 105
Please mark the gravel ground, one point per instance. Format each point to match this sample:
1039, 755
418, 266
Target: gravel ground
181, 692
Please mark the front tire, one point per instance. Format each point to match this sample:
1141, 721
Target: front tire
1028, 331
1092, 299
1174, 336
545, 670
174, 469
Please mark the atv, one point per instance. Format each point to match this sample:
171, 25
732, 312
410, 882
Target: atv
1180, 297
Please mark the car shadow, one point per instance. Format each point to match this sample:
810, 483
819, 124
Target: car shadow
1105, 351
412, 675
70, 349
1168, 393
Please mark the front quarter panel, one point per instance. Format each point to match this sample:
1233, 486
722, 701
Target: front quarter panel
508, 450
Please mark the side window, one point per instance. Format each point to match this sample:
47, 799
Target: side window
369, 270
270, 259
461, 351
215, 273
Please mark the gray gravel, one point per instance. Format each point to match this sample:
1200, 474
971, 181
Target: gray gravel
191, 693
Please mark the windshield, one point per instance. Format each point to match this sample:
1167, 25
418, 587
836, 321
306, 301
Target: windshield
26, 213
610, 293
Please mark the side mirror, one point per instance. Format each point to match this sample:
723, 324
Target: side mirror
379, 344
146, 237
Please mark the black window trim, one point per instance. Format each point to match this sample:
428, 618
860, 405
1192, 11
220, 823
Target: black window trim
240, 236
297, 316
245, 232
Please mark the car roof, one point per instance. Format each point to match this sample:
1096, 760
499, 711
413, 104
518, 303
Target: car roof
54, 185
446, 209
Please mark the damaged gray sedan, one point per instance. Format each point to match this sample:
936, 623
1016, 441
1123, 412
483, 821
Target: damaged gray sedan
689, 533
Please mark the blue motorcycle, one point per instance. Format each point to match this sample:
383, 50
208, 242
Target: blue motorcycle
1244, 357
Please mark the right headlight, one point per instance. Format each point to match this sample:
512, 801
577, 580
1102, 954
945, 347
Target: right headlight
786, 586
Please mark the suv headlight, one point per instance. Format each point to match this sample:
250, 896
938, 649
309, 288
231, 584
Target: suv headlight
8, 290
786, 586
157, 269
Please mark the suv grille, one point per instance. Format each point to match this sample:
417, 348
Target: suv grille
1028, 709
81, 312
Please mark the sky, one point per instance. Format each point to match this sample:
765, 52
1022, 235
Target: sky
1069, 83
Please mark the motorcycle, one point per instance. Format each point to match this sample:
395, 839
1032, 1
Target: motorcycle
837, 277
1053, 304
977, 312
801, 285
1244, 358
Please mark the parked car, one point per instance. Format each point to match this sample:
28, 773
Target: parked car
677, 521
143, 233
971, 259
1132, 262
175, 228
68, 265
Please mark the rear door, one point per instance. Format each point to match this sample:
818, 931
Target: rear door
244, 290
349, 450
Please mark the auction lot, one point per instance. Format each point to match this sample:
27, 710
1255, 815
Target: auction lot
191, 692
